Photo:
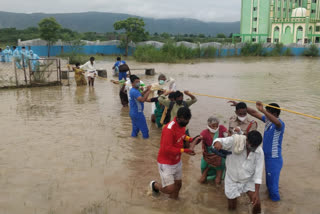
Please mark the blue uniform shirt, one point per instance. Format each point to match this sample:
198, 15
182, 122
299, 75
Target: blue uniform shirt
272, 139
135, 106
118, 63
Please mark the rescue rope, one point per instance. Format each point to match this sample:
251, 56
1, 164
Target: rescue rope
249, 101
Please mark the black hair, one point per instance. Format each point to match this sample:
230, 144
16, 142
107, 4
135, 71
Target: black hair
172, 95
92, 58
118, 58
274, 110
14, 47
184, 113
23, 47
241, 105
178, 94
254, 138
133, 78
0, 49
77, 64
160, 92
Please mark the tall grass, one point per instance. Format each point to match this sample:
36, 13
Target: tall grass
171, 53
312, 51
252, 49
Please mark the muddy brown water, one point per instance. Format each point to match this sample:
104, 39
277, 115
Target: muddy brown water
68, 150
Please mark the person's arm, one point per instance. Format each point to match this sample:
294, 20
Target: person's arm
84, 66
152, 100
163, 99
270, 116
250, 111
193, 98
169, 145
223, 143
145, 96
257, 178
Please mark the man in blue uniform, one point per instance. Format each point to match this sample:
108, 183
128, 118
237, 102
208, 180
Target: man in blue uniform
136, 101
272, 145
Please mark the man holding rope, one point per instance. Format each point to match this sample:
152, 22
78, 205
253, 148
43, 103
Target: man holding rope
272, 145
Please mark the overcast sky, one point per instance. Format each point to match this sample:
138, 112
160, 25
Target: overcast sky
205, 10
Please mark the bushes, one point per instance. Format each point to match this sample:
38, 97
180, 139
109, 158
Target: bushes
312, 51
171, 53
74, 58
252, 49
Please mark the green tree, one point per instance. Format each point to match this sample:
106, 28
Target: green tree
221, 35
49, 31
134, 30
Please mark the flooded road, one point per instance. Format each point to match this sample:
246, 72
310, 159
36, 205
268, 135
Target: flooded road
68, 150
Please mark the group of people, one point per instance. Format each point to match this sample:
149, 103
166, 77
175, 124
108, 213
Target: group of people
21, 57
233, 154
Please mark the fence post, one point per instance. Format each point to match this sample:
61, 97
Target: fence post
15, 72
24, 70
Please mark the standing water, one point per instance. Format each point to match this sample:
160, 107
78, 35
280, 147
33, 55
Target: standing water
68, 150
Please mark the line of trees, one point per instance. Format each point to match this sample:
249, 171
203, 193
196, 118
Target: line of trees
131, 29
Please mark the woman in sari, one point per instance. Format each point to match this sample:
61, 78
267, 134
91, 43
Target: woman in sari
213, 131
79, 75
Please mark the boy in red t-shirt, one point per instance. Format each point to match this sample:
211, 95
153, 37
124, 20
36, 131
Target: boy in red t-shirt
169, 157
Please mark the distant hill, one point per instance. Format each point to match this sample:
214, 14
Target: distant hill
103, 22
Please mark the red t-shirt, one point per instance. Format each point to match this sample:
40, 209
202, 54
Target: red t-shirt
207, 139
171, 143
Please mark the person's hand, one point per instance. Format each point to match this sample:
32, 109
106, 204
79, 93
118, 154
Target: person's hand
191, 152
259, 106
149, 87
233, 103
186, 93
255, 199
218, 145
237, 130
198, 139
167, 92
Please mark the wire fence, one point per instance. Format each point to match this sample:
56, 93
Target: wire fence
26, 72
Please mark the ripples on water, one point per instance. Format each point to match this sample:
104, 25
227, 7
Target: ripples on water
68, 150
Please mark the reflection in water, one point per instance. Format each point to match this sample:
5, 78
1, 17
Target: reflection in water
68, 150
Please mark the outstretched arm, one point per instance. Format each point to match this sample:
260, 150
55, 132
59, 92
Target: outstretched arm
270, 116
251, 111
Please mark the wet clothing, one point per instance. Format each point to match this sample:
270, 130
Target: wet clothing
122, 75
207, 142
7, 53
234, 122
2, 57
138, 119
272, 147
25, 56
170, 173
166, 102
79, 77
158, 111
17, 58
243, 170
34, 62
171, 143
90, 68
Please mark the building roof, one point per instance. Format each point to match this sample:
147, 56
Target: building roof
299, 12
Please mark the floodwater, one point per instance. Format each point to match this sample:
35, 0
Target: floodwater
68, 150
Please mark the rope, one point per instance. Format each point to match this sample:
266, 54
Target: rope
249, 101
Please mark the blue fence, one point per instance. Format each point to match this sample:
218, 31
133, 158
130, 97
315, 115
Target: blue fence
87, 50
115, 50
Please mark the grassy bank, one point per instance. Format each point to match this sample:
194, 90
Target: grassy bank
171, 53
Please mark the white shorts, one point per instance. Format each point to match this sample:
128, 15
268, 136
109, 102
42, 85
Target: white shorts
234, 190
170, 173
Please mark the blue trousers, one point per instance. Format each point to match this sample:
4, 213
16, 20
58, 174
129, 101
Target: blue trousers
139, 123
273, 169
122, 75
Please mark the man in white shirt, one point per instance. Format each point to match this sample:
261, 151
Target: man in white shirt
244, 168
